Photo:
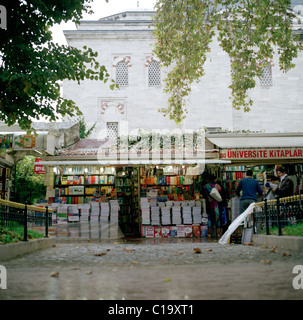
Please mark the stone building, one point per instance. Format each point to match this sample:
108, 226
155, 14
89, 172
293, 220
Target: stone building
124, 44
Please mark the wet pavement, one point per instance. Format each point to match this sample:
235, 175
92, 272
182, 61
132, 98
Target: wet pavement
153, 269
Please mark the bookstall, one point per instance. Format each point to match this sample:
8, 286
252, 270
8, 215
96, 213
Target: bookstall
156, 190
171, 203
146, 200
95, 193
263, 154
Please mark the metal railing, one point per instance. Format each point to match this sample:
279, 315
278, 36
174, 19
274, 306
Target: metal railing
18, 214
279, 213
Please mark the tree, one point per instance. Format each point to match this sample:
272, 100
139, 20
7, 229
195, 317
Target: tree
250, 31
85, 132
31, 65
30, 186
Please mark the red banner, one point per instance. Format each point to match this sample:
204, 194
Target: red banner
270, 153
39, 169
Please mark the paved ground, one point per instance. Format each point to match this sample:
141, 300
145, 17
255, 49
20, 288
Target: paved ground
152, 269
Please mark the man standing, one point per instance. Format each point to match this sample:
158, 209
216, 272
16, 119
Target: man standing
286, 186
250, 188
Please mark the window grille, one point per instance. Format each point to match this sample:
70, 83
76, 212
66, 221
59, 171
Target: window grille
122, 74
154, 74
112, 130
266, 79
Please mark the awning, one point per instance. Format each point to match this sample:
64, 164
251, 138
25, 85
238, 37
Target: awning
113, 162
225, 141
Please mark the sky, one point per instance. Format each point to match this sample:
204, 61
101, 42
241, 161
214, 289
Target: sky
101, 9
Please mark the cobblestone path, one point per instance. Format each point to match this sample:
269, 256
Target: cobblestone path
153, 269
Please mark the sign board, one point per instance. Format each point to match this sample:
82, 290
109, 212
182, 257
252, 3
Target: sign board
39, 169
261, 153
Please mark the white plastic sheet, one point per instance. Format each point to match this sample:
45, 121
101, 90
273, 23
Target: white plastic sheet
236, 223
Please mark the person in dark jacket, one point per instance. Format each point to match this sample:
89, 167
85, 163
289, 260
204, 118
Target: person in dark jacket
286, 186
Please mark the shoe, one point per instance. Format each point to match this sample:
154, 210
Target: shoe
209, 233
219, 233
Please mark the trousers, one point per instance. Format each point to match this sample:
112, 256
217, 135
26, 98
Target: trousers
245, 204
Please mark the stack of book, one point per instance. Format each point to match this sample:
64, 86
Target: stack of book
84, 211
155, 215
94, 211
62, 214
197, 217
166, 216
169, 204
145, 211
187, 219
114, 210
73, 213
176, 215
152, 196
104, 211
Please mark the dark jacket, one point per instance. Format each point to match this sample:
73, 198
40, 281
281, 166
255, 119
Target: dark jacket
286, 189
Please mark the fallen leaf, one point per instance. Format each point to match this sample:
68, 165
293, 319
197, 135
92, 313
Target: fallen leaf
167, 280
134, 262
127, 250
54, 274
89, 272
54, 246
116, 242
274, 249
266, 261
249, 244
108, 250
181, 252
100, 254
208, 250
286, 254
197, 250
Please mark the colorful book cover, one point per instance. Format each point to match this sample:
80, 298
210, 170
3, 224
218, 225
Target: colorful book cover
149, 232
173, 231
196, 231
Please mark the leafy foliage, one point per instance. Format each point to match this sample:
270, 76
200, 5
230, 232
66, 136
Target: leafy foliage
16, 234
31, 65
30, 186
85, 132
250, 31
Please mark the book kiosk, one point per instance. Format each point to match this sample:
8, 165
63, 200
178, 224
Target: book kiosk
148, 200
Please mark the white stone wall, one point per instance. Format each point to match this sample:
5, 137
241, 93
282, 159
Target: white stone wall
276, 109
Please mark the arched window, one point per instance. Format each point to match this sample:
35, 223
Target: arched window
154, 74
266, 78
122, 74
